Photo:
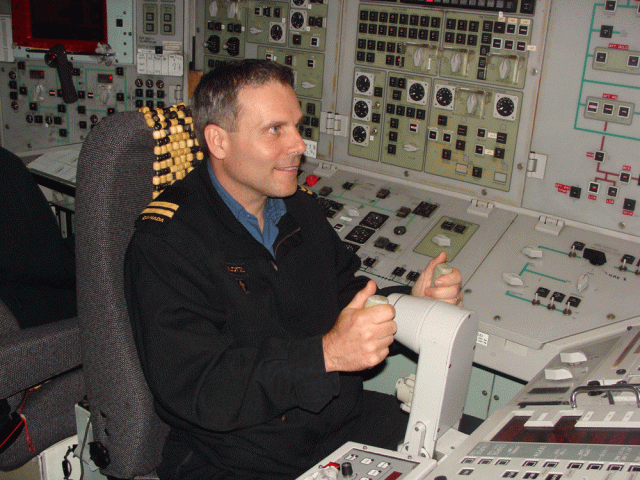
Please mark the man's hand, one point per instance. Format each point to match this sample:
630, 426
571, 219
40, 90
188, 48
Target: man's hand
447, 287
361, 336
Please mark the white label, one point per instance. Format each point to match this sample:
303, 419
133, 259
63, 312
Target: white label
482, 339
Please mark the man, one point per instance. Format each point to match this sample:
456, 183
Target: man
249, 318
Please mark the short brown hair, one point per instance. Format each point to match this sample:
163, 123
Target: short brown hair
215, 99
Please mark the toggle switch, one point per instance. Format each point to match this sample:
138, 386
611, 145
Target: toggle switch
573, 358
557, 374
353, 211
441, 240
532, 252
583, 283
513, 279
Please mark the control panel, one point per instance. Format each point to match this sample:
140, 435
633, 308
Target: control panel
441, 95
296, 33
503, 132
368, 463
578, 418
143, 65
587, 132
537, 285
396, 229
537, 288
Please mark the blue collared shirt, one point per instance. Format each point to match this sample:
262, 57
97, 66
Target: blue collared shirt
274, 210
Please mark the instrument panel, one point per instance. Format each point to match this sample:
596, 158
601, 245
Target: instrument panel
500, 131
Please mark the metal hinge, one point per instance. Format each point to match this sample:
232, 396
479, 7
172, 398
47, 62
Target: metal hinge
549, 225
481, 208
536, 165
334, 124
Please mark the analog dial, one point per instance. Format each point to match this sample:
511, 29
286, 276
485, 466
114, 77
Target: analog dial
361, 109
416, 92
363, 84
444, 97
359, 134
505, 107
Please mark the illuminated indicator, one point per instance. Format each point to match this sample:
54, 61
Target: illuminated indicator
105, 78
625, 177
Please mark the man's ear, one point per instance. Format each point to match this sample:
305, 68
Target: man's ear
216, 138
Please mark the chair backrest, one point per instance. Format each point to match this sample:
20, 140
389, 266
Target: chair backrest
114, 184
37, 269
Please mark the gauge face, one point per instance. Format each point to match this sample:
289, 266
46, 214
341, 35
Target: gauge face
276, 32
363, 84
505, 107
416, 92
298, 2
444, 97
361, 109
297, 20
359, 134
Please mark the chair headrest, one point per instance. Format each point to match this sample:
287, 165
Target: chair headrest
177, 150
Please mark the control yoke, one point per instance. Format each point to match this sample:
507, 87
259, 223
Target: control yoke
56, 57
444, 337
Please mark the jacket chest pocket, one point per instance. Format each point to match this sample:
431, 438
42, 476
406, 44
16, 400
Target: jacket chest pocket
251, 298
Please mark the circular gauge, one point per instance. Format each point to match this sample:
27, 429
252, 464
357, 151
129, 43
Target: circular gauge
359, 134
276, 32
505, 107
444, 97
160, 83
361, 109
298, 3
149, 83
297, 20
416, 92
139, 82
363, 84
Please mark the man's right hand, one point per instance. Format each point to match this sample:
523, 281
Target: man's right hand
361, 336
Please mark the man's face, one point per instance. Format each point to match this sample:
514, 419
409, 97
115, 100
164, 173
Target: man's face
261, 157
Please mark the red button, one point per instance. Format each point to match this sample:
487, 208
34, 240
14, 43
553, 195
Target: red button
311, 180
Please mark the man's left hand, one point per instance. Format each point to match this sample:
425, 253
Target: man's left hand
447, 287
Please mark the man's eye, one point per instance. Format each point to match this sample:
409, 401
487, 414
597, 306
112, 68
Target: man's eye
274, 129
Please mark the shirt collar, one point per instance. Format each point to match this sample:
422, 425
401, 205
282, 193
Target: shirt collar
274, 210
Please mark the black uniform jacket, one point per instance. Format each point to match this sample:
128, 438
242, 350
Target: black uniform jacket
230, 339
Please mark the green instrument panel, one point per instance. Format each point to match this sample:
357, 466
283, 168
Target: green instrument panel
449, 235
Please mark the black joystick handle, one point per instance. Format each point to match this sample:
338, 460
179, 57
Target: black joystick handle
56, 57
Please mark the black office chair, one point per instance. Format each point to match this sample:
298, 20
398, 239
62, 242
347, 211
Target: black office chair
40, 363
114, 184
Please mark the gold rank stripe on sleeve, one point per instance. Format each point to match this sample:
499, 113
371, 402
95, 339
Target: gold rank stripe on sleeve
305, 189
161, 208
167, 205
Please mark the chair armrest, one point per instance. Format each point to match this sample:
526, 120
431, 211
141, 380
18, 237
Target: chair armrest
29, 357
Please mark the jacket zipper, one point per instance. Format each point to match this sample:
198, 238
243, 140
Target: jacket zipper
275, 250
